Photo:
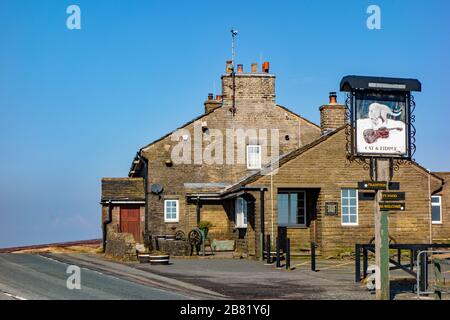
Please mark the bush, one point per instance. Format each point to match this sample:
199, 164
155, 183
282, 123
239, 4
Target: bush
205, 225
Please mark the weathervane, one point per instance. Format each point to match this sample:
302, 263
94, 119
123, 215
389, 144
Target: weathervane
233, 35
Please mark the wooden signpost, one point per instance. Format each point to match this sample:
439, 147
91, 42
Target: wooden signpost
382, 235
379, 144
385, 202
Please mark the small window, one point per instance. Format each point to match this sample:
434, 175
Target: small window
171, 210
436, 209
349, 207
241, 213
292, 208
253, 157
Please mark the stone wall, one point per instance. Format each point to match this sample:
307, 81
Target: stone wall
174, 247
255, 110
441, 232
325, 167
332, 117
120, 246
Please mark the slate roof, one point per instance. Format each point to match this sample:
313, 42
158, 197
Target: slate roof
136, 158
115, 189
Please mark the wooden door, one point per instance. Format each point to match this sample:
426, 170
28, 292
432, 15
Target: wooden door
130, 221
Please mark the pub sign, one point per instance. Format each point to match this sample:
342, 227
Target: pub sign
380, 115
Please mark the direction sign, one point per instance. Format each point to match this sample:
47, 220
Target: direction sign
392, 206
393, 196
378, 185
366, 195
394, 185
372, 185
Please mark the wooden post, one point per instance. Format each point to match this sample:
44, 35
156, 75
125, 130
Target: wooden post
198, 211
278, 264
382, 235
313, 256
357, 263
365, 262
288, 254
269, 260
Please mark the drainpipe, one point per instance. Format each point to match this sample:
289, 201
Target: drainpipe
105, 224
429, 208
145, 162
261, 211
198, 211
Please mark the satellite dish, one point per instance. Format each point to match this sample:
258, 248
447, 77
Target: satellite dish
157, 188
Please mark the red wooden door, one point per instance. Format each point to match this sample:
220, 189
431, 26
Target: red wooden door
130, 221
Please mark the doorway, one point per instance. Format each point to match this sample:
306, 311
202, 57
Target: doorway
130, 221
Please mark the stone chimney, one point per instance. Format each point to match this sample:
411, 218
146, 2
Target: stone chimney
211, 104
250, 87
332, 115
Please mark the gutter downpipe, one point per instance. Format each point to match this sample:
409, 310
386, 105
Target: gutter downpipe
262, 231
106, 223
145, 161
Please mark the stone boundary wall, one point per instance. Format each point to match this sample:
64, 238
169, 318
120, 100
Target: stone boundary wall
120, 246
174, 247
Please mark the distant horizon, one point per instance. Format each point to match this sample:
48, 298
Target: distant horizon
76, 105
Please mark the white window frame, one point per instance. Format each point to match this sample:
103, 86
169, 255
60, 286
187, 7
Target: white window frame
439, 204
241, 213
342, 208
177, 218
258, 161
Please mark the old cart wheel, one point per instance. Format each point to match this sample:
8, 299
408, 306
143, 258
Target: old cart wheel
180, 235
195, 240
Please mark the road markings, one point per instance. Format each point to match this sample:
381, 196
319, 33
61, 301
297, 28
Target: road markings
337, 265
13, 296
300, 264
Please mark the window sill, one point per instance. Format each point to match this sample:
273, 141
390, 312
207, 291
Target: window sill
171, 221
293, 226
437, 223
349, 224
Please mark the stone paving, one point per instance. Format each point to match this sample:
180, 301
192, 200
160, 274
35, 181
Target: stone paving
246, 279
220, 277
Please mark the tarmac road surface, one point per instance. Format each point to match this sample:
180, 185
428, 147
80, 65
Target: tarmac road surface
26, 276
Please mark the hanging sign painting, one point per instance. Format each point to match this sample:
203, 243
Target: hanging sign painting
379, 114
381, 126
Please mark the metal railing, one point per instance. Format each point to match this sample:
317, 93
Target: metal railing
423, 271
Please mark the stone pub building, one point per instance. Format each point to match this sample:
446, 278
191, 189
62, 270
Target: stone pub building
311, 195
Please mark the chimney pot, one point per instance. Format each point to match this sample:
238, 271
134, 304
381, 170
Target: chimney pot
240, 68
333, 98
218, 97
229, 68
265, 67
212, 103
254, 68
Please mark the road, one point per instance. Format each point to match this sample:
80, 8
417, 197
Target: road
25, 276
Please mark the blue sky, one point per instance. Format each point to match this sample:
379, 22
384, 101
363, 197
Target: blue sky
75, 105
